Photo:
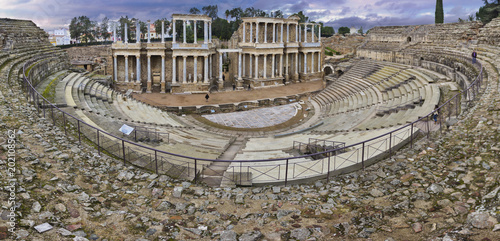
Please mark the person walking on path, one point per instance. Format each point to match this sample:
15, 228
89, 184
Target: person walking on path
436, 113
474, 56
234, 86
206, 97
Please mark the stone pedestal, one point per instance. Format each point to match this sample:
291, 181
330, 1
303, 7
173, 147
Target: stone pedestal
148, 90
162, 85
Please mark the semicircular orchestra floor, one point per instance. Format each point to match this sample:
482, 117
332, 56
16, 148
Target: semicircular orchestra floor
256, 118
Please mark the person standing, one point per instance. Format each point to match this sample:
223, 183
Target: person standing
206, 97
474, 56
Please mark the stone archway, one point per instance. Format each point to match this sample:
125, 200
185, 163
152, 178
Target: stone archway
328, 70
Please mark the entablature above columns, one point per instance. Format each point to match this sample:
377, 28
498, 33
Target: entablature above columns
193, 46
191, 17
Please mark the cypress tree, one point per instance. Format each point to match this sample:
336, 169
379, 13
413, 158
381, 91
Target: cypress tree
439, 11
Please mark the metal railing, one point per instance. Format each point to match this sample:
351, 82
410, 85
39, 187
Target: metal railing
278, 171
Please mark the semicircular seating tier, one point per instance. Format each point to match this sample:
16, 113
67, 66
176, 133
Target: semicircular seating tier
373, 98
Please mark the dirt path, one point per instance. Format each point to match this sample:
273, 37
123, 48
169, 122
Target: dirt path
230, 96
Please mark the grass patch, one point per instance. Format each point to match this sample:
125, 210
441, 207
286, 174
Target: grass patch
50, 91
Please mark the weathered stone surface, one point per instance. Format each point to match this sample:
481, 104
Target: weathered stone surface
481, 220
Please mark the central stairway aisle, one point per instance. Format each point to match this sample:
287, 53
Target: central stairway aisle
213, 174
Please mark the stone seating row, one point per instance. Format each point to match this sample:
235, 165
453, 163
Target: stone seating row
432, 96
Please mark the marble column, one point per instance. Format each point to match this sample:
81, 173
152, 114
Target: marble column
114, 34
195, 29
115, 67
126, 33
312, 62
265, 33
256, 66
184, 30
265, 66
300, 34
257, 32
250, 69
162, 31
195, 72
287, 32
174, 70
210, 32
319, 34
148, 87
312, 32
174, 32
286, 66
184, 71
126, 68
149, 32
282, 32
319, 61
243, 66
205, 28
138, 68
281, 65
251, 32
239, 66
305, 63
210, 66
162, 73
296, 63
220, 66
274, 33
137, 32
244, 32
206, 70
273, 70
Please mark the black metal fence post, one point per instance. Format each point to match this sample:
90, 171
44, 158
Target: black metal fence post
123, 148
286, 172
98, 144
79, 133
156, 161
363, 156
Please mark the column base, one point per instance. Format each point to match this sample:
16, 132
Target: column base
162, 86
148, 90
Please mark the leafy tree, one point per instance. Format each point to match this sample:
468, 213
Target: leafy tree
327, 31
439, 12
103, 30
121, 28
221, 28
344, 30
211, 11
489, 11
236, 13
360, 30
158, 26
194, 10
82, 29
303, 18
276, 14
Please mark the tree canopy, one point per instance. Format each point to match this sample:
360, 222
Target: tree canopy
489, 11
82, 29
439, 18
344, 30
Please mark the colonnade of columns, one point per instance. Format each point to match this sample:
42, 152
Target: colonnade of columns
281, 64
207, 30
207, 71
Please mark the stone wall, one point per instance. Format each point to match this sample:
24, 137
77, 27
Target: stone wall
344, 45
99, 55
490, 33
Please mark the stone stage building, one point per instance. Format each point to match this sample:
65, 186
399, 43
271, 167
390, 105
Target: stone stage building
263, 52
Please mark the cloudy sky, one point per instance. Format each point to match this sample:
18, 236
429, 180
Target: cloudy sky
51, 14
